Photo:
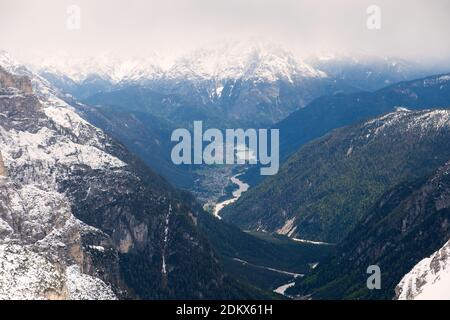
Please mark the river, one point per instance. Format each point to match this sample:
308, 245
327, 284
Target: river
282, 289
242, 187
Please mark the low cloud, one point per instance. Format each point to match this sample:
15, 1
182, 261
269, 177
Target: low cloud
415, 29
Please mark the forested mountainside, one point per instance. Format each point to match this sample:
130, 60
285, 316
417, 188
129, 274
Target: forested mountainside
145, 135
324, 189
330, 112
407, 224
261, 259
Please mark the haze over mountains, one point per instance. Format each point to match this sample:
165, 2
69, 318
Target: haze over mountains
86, 219
326, 187
256, 60
85, 154
237, 84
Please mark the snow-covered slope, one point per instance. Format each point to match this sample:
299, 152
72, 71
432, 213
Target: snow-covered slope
254, 59
404, 121
107, 67
240, 78
254, 82
429, 279
257, 61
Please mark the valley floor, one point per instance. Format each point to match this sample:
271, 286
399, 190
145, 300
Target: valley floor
242, 187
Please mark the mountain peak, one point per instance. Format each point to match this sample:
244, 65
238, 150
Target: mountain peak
242, 59
108, 66
254, 59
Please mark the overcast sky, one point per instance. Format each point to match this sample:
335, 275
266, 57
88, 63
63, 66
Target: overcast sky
416, 29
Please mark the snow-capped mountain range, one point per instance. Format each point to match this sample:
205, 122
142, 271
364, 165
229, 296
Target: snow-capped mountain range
108, 67
240, 77
252, 82
257, 61
231, 60
367, 72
